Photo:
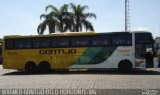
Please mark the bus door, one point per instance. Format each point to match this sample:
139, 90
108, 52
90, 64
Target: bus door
140, 61
149, 56
144, 52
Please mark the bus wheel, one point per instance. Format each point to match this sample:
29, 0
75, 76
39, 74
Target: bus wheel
30, 67
125, 66
44, 67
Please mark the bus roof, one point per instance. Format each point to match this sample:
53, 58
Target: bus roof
72, 34
53, 34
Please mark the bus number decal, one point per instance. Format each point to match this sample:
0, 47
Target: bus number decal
12, 53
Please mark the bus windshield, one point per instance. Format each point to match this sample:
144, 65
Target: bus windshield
143, 44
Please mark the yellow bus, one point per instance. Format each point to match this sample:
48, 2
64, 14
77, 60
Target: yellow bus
122, 50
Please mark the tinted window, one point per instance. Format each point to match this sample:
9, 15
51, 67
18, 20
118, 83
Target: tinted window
80, 41
143, 38
122, 39
22, 43
41, 42
100, 41
140, 51
9, 43
60, 42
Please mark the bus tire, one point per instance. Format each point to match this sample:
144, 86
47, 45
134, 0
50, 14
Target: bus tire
30, 67
125, 66
44, 67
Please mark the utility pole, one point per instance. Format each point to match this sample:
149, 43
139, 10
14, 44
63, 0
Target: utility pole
127, 17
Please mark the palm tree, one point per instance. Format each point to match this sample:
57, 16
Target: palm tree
60, 16
62, 20
48, 22
79, 18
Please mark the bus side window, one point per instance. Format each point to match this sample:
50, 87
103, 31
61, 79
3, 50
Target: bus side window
45, 42
53, 42
22, 43
41, 42
9, 44
80, 41
63, 42
122, 40
18, 43
60, 42
100, 41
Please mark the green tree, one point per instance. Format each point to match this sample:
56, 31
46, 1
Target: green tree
79, 18
48, 22
60, 16
62, 20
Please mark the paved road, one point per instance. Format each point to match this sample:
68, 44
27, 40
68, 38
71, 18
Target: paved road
149, 79
78, 80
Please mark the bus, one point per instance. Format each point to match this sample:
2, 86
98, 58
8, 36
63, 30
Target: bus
80, 50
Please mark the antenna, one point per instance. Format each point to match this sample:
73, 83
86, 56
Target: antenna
127, 16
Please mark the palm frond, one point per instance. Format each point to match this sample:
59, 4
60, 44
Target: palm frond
88, 25
90, 15
42, 16
52, 7
73, 7
82, 8
41, 27
64, 8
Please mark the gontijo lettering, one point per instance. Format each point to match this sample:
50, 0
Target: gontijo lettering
58, 51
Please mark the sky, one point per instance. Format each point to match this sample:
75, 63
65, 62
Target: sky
21, 17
